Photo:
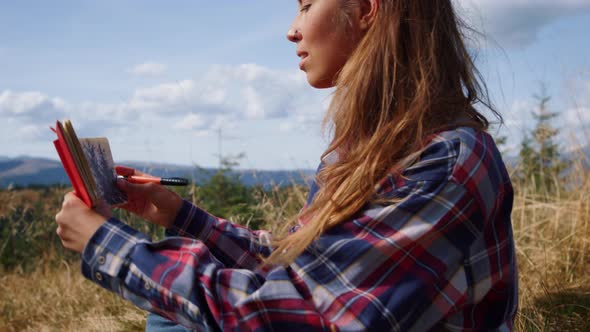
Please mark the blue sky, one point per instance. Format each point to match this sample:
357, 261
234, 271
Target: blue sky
180, 81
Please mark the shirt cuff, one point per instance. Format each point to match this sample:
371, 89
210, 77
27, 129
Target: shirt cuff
104, 259
191, 221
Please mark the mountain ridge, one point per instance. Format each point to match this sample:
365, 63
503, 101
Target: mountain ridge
22, 171
25, 171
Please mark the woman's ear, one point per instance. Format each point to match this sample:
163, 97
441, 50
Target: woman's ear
369, 9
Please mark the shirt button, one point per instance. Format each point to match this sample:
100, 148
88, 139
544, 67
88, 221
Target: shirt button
101, 260
98, 276
147, 286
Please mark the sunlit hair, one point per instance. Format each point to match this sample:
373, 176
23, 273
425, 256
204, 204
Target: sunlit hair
410, 76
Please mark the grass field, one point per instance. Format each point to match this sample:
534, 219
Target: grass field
552, 233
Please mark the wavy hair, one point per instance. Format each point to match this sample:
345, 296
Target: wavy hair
410, 76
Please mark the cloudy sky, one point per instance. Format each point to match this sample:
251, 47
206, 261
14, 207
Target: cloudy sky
183, 81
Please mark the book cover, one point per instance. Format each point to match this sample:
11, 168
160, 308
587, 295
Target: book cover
89, 165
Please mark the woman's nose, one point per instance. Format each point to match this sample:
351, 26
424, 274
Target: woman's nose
293, 35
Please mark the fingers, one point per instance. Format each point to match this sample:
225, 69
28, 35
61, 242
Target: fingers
76, 223
145, 190
128, 171
62, 234
62, 237
60, 230
71, 203
71, 199
124, 170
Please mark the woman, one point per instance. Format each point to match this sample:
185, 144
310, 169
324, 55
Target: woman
408, 224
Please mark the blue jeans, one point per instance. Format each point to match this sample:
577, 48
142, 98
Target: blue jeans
155, 323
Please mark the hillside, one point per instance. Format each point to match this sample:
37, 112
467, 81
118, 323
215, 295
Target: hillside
31, 171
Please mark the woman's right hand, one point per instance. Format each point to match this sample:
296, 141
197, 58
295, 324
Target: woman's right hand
151, 201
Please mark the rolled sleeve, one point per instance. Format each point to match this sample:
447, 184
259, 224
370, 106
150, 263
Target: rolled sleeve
104, 257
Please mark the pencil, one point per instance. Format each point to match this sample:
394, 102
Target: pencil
173, 181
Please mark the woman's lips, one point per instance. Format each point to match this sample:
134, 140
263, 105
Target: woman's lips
302, 63
303, 56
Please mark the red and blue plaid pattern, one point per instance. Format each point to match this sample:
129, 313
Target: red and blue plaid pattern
440, 258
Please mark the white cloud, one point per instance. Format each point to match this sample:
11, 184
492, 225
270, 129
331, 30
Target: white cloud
222, 97
148, 69
246, 91
518, 120
572, 116
192, 122
30, 104
162, 98
256, 92
517, 23
575, 127
577, 116
31, 132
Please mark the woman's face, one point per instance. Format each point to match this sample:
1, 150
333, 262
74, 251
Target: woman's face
325, 39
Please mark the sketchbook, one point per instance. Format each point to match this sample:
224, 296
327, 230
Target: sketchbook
89, 165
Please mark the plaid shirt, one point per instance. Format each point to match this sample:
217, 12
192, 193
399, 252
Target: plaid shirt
440, 258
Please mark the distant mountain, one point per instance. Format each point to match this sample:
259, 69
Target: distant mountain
24, 171
28, 171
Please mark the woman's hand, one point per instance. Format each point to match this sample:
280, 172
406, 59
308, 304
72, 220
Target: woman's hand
76, 222
151, 201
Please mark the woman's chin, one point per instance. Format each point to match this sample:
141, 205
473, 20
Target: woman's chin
319, 83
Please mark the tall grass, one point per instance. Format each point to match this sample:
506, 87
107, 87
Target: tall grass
552, 234
58, 298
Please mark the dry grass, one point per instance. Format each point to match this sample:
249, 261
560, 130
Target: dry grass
60, 299
552, 234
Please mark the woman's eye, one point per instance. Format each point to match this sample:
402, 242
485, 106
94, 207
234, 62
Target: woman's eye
305, 8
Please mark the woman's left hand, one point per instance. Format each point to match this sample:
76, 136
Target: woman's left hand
76, 222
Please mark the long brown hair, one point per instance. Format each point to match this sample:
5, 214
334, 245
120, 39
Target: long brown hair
410, 76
